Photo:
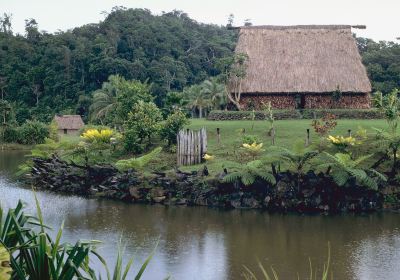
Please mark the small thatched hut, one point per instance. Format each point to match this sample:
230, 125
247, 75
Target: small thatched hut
305, 66
69, 124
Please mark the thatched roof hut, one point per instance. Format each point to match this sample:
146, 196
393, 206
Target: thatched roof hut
304, 60
69, 124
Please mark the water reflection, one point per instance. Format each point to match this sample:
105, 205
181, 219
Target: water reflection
202, 243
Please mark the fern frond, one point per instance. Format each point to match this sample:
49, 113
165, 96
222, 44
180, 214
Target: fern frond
232, 177
361, 159
340, 177
254, 164
248, 178
369, 183
377, 174
139, 162
359, 174
268, 177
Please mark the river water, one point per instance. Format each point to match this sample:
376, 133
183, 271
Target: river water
202, 243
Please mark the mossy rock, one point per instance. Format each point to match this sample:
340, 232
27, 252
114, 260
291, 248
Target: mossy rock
5, 268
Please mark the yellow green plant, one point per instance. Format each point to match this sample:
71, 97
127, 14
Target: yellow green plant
96, 135
208, 157
253, 150
5, 268
343, 141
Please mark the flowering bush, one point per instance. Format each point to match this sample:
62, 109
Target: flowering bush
98, 136
324, 125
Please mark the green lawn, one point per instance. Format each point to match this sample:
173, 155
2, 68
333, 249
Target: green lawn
287, 132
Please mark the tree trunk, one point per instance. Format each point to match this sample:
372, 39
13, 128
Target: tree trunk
200, 112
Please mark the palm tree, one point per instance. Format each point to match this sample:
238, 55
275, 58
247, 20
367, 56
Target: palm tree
216, 91
104, 101
342, 168
198, 99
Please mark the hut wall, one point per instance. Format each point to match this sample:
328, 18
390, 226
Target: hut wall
347, 101
311, 101
74, 132
255, 102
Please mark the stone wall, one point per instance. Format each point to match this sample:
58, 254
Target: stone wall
317, 193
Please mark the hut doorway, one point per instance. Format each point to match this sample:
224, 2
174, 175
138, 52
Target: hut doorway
300, 101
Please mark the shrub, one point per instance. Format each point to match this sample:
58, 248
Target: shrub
296, 114
172, 125
248, 115
33, 132
144, 121
250, 139
131, 142
10, 134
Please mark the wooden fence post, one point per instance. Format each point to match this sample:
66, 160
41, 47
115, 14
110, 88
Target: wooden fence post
273, 135
308, 137
218, 136
349, 132
191, 146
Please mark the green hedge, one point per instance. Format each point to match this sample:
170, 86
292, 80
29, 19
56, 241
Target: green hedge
29, 133
296, 114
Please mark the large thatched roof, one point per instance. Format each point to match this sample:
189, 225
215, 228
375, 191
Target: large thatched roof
302, 58
73, 122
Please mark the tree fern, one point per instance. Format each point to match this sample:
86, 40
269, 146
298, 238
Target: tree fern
343, 168
296, 158
248, 173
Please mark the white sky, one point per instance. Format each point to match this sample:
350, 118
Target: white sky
382, 17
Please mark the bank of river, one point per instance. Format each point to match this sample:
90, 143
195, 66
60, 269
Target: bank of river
204, 243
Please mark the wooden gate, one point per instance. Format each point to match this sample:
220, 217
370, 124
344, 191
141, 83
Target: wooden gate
191, 146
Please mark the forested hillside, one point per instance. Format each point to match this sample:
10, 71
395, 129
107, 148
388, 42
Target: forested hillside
42, 74
382, 60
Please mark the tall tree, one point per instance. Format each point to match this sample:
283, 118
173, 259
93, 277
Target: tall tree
233, 71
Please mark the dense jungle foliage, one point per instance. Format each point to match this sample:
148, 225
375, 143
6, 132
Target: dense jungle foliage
42, 74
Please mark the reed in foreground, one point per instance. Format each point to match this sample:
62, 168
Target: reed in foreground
33, 254
326, 273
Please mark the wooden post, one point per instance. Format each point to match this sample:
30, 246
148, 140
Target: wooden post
218, 136
349, 132
308, 137
273, 135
